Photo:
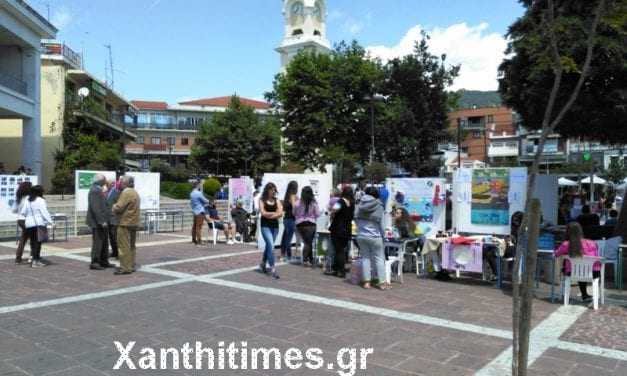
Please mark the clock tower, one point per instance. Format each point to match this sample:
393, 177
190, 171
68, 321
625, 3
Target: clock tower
305, 28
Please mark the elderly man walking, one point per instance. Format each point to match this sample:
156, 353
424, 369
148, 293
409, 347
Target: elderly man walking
126, 210
98, 217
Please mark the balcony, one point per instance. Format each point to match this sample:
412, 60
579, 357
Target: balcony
503, 149
156, 149
62, 51
13, 83
171, 126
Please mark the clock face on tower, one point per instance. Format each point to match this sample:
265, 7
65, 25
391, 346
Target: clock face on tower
297, 9
317, 12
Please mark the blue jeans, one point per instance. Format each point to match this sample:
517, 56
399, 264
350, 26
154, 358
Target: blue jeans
373, 258
288, 234
269, 234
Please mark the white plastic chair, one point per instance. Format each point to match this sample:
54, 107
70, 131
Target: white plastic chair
609, 250
581, 271
213, 230
394, 259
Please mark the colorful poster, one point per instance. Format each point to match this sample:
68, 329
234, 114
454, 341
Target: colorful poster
424, 200
241, 189
8, 189
82, 184
490, 197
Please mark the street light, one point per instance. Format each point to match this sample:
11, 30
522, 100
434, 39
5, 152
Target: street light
373, 98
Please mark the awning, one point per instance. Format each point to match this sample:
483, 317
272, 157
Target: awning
563, 182
597, 180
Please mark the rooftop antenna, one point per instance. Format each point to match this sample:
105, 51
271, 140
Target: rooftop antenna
111, 71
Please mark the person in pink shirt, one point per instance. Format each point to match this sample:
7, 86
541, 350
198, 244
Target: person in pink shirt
306, 213
577, 246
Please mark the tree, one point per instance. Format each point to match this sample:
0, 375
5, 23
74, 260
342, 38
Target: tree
416, 116
238, 142
616, 171
552, 59
376, 172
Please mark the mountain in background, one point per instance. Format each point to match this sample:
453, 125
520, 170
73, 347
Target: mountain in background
470, 98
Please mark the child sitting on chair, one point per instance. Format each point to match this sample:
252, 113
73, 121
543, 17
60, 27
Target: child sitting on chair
577, 246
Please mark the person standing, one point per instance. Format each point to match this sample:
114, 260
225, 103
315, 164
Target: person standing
341, 230
21, 197
289, 224
369, 218
98, 218
271, 210
306, 213
112, 197
127, 210
198, 201
35, 213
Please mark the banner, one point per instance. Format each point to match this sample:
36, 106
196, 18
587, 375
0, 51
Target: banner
8, 188
424, 199
241, 189
83, 181
147, 185
490, 192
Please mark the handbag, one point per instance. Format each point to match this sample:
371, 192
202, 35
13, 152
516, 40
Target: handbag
42, 231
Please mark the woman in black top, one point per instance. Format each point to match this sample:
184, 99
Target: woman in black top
288, 219
271, 210
341, 230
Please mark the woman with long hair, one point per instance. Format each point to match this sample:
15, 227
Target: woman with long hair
405, 226
35, 212
307, 213
577, 246
289, 221
341, 230
21, 196
271, 210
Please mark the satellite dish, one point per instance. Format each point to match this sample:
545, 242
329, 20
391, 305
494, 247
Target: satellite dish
83, 92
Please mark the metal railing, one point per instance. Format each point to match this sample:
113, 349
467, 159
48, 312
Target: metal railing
13, 83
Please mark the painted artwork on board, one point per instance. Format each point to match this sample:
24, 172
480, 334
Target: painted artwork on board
490, 191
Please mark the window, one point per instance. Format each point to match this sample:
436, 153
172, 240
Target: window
140, 140
184, 141
490, 118
476, 134
171, 140
155, 140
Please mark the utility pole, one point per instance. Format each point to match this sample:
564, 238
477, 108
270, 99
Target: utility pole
111, 71
459, 143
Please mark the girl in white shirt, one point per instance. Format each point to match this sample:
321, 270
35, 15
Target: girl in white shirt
35, 212
21, 196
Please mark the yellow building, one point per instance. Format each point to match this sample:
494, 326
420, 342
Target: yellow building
61, 78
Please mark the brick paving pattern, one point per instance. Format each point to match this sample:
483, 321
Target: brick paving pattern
606, 327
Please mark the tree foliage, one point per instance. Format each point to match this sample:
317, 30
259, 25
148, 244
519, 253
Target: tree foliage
527, 76
238, 141
327, 103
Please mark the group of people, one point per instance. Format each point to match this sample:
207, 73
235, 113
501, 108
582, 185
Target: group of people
113, 215
20, 170
205, 210
33, 218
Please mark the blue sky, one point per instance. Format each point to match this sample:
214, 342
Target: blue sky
176, 50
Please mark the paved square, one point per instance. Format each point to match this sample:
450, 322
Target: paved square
63, 319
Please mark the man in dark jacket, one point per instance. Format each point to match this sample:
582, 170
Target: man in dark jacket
98, 217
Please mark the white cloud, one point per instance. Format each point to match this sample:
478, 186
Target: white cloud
61, 18
334, 15
353, 26
478, 52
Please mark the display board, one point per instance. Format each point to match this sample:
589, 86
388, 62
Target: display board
83, 180
241, 188
547, 191
321, 185
148, 186
8, 188
424, 199
485, 199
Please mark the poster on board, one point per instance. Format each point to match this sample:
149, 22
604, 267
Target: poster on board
8, 188
485, 199
83, 179
490, 194
423, 198
321, 184
241, 188
147, 185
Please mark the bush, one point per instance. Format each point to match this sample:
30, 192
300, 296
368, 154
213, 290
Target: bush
176, 190
211, 186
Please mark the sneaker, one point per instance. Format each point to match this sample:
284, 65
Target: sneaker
275, 275
36, 264
18, 262
262, 268
230, 242
586, 298
95, 267
44, 262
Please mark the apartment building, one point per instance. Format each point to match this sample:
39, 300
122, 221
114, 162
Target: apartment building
167, 132
21, 31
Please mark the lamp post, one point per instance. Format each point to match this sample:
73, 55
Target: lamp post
373, 98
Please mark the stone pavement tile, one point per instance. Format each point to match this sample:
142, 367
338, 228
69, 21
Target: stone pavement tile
7, 369
14, 347
605, 327
216, 265
583, 359
586, 370
549, 365
470, 361
85, 241
181, 251
277, 331
478, 304
64, 278
433, 368
70, 346
78, 371
41, 363
7, 250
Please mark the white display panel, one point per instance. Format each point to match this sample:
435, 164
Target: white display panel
8, 188
83, 180
148, 186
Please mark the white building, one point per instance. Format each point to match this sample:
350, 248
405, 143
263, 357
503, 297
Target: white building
305, 28
21, 32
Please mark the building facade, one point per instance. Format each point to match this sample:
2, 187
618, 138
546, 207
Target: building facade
167, 132
21, 32
305, 28
98, 109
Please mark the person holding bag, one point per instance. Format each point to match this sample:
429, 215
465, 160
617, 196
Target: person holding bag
36, 220
21, 198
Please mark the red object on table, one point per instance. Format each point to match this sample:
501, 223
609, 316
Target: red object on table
462, 240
